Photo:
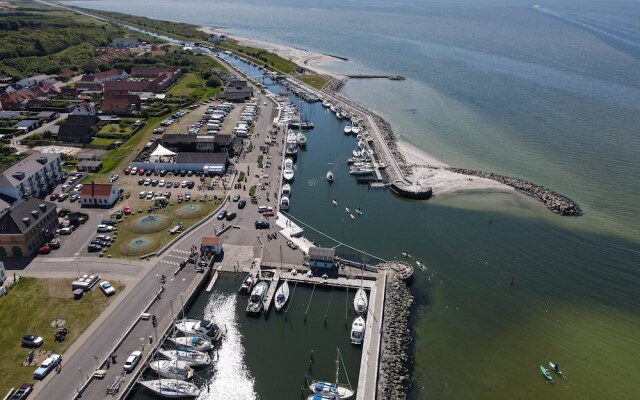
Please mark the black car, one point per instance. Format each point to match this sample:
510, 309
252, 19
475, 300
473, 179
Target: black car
191, 184
148, 172
97, 242
94, 248
231, 216
109, 222
54, 244
183, 172
140, 182
262, 225
189, 173
241, 204
163, 172
23, 392
119, 214
32, 341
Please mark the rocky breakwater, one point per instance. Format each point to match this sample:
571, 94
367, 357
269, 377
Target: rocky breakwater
394, 380
555, 202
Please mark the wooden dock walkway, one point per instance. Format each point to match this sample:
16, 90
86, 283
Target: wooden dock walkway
342, 281
273, 286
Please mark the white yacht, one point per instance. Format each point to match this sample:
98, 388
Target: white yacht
301, 139
347, 129
192, 343
284, 203
355, 129
286, 190
357, 330
360, 301
172, 388
173, 369
256, 299
326, 104
330, 176
197, 327
291, 149
282, 295
191, 357
288, 173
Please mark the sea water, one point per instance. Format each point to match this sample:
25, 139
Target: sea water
547, 93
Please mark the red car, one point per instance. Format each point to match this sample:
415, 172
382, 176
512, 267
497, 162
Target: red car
54, 196
268, 213
141, 171
127, 210
44, 249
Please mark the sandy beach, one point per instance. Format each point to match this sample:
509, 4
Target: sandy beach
427, 170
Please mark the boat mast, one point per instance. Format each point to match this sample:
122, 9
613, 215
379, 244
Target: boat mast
337, 371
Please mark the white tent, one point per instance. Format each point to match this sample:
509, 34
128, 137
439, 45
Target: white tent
161, 153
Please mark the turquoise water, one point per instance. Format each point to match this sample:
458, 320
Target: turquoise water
550, 95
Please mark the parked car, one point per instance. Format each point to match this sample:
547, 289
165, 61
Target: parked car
66, 231
64, 188
262, 224
23, 392
161, 183
74, 197
32, 341
147, 182
191, 184
54, 244
54, 196
176, 184
222, 214
94, 248
109, 222
78, 187
142, 195
241, 204
119, 214
141, 171
132, 361
134, 170
236, 197
184, 184
154, 182
62, 197
44, 249
107, 289
163, 172
127, 210
47, 366
231, 216
113, 178
149, 195
104, 228
187, 196
106, 238
127, 171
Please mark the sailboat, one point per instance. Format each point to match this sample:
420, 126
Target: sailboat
282, 295
327, 390
192, 343
197, 327
357, 330
172, 388
174, 369
330, 176
360, 302
191, 357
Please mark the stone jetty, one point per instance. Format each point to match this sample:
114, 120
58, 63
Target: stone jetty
555, 202
394, 379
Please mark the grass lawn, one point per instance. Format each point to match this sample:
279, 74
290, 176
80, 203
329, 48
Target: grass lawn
102, 141
163, 236
114, 129
192, 84
29, 308
314, 80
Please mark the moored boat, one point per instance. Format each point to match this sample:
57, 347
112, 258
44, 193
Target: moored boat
192, 343
330, 176
172, 388
286, 190
357, 330
197, 327
247, 284
193, 358
174, 369
282, 296
360, 301
288, 173
356, 170
301, 139
328, 390
347, 129
284, 203
256, 299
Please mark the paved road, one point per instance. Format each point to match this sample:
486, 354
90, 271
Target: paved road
15, 142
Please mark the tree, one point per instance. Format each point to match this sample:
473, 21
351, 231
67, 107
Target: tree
214, 82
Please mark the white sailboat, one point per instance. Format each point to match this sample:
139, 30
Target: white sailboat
192, 343
174, 369
172, 388
191, 357
357, 330
282, 295
361, 302
197, 327
328, 390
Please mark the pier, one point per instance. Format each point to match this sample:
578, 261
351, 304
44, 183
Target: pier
390, 77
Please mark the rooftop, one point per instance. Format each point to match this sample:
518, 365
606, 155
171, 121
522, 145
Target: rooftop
201, 158
96, 191
27, 166
25, 214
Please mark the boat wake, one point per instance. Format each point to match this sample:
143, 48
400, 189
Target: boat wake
231, 379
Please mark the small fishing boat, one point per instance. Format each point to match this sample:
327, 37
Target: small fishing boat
357, 330
347, 129
172, 388
339, 114
192, 343
555, 368
546, 373
282, 295
256, 299
358, 211
360, 301
286, 190
191, 357
335, 203
173, 369
353, 217
330, 176
284, 203
247, 284
347, 210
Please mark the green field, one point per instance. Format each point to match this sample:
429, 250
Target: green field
314, 80
261, 57
103, 141
29, 308
115, 130
192, 84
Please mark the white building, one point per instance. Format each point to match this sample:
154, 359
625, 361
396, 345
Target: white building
36, 175
102, 195
35, 80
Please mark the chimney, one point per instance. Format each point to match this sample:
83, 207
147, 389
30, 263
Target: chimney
26, 221
34, 213
42, 160
43, 207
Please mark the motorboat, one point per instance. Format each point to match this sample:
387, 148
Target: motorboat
288, 173
361, 171
347, 129
286, 190
291, 149
328, 390
301, 139
353, 217
358, 211
360, 301
197, 327
191, 357
192, 343
357, 330
347, 210
282, 295
334, 202
326, 104
355, 129
333, 108
173, 369
284, 203
247, 284
330, 176
546, 373
291, 137
257, 298
356, 153
172, 388
339, 114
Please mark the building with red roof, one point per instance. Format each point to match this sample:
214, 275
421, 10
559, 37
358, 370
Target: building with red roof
102, 195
